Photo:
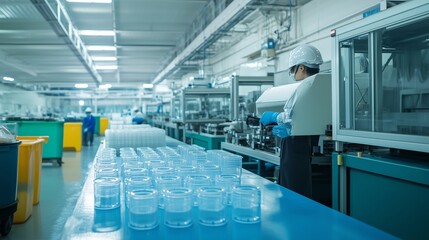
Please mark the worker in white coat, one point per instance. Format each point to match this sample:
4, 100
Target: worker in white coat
138, 117
295, 155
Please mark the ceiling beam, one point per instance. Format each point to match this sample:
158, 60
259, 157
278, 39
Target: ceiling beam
57, 17
224, 21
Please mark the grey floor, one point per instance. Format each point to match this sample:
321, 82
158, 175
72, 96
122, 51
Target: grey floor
60, 189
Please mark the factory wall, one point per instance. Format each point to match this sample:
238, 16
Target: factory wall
105, 105
20, 102
311, 24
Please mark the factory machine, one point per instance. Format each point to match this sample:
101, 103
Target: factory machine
381, 101
311, 101
197, 112
313, 119
208, 115
158, 113
244, 121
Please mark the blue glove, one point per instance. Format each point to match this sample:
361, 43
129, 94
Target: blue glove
282, 130
268, 118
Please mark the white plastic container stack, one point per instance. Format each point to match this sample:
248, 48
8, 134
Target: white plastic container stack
141, 137
129, 126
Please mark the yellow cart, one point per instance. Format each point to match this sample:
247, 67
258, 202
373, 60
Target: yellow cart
38, 153
26, 157
104, 124
72, 136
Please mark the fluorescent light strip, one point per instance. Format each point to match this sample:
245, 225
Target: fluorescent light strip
10, 79
104, 58
81, 85
113, 67
105, 86
96, 33
90, 1
101, 48
147, 85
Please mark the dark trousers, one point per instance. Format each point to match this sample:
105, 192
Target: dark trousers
295, 163
88, 137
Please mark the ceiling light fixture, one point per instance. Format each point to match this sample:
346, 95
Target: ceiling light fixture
81, 85
104, 58
113, 67
101, 48
146, 85
96, 33
105, 86
10, 79
90, 1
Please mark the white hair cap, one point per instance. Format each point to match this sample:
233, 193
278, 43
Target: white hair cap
306, 55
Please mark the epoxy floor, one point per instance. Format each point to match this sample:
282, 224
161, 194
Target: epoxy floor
59, 191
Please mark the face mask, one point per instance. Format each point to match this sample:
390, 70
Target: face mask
292, 72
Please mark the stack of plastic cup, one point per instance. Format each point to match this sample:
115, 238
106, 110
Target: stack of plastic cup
197, 158
106, 182
246, 204
184, 171
210, 170
143, 209
135, 137
106, 172
211, 206
107, 193
165, 182
135, 183
151, 164
135, 172
215, 156
231, 164
158, 171
227, 182
178, 207
194, 182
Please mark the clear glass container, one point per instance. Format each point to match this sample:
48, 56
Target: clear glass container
246, 204
227, 182
178, 207
143, 209
106, 193
211, 206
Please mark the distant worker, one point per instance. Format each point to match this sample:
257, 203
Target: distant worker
88, 127
295, 154
137, 117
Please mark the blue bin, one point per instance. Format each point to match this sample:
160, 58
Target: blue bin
8, 185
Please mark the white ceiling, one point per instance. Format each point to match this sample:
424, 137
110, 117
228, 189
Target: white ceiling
147, 33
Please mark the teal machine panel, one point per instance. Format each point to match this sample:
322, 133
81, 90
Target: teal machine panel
97, 125
54, 129
389, 194
207, 141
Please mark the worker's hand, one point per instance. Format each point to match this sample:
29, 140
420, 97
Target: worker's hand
282, 130
268, 118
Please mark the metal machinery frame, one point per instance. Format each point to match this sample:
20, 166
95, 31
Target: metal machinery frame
191, 120
380, 103
238, 81
253, 154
